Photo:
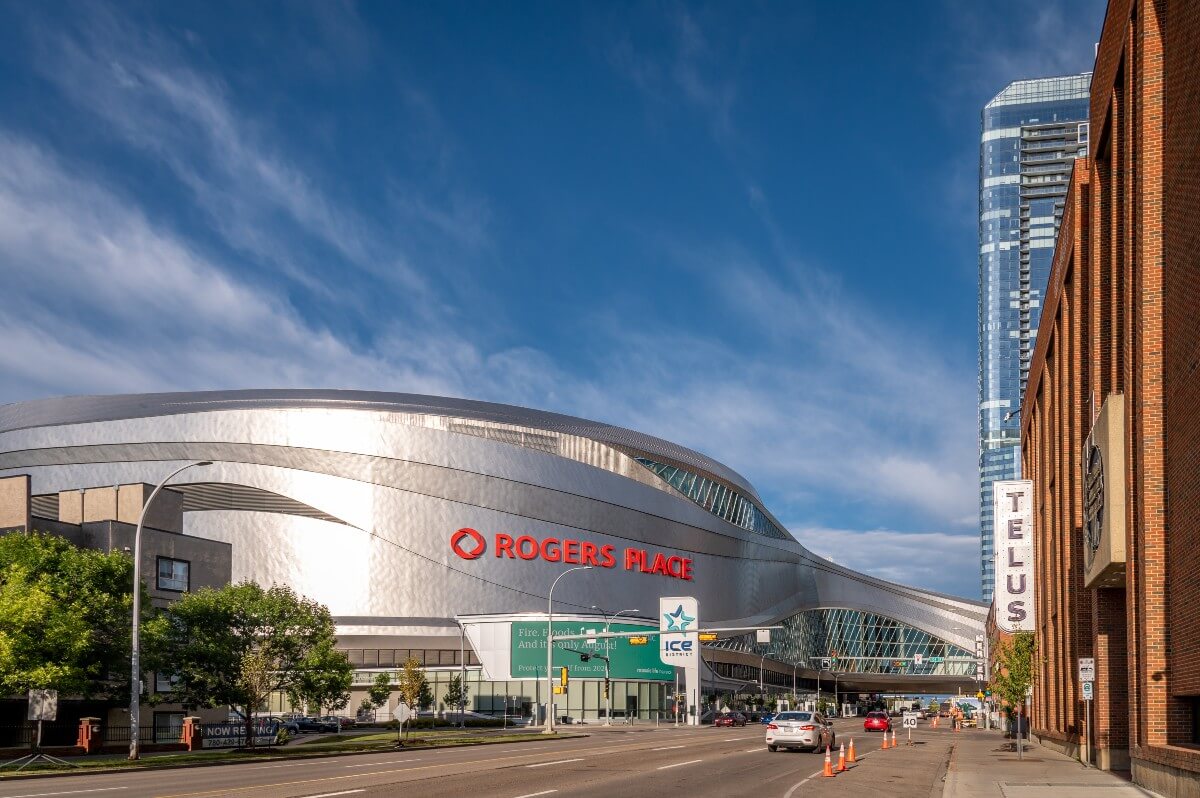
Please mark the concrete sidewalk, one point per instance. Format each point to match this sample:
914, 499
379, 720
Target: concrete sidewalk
985, 765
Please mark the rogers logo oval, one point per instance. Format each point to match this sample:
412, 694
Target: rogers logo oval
468, 536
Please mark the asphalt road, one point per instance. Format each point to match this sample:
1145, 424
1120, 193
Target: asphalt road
693, 762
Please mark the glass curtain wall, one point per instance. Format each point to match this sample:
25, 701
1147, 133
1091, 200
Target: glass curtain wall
861, 642
1032, 131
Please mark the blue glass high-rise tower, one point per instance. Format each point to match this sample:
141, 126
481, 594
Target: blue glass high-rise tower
1032, 132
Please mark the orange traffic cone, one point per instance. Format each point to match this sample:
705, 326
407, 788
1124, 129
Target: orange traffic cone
841, 768
894, 743
828, 772
850, 754
935, 717
885, 742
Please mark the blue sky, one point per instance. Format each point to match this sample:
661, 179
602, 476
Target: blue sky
747, 228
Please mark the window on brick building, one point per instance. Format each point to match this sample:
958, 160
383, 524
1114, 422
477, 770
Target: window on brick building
1194, 706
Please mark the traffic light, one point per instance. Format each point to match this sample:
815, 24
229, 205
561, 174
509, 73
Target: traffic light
605, 689
562, 676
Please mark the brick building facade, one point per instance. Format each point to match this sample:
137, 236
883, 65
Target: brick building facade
1111, 416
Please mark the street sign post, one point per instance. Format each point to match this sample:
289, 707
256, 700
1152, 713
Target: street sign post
1087, 682
910, 723
43, 705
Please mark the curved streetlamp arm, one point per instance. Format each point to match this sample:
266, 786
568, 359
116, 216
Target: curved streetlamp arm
135, 676
550, 648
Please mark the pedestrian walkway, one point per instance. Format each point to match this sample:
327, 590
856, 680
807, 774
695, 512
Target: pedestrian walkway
985, 765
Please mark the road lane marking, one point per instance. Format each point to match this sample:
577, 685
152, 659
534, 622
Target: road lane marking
614, 749
800, 784
331, 794
752, 750
668, 748
535, 794
377, 764
555, 762
679, 764
68, 792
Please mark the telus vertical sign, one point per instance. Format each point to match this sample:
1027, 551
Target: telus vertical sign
1012, 506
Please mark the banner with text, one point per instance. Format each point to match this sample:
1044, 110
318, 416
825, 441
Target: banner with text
528, 659
1012, 506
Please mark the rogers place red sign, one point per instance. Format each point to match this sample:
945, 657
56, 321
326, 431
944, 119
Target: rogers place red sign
469, 545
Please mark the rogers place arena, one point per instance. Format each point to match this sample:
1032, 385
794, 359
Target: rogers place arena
434, 528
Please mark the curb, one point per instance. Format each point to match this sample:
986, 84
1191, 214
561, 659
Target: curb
939, 781
13, 777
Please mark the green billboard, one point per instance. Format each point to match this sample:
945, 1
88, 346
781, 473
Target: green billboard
528, 654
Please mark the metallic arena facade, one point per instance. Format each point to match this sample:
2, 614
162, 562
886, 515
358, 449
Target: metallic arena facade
415, 517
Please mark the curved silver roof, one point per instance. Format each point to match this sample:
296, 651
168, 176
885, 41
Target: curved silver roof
86, 409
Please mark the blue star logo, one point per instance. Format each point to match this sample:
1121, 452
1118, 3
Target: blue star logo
677, 621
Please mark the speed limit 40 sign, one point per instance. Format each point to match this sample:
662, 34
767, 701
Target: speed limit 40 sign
910, 720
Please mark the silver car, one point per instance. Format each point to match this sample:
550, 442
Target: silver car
799, 730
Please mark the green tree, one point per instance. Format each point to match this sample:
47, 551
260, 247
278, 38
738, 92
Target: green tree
1013, 673
207, 636
425, 699
323, 681
379, 692
64, 617
256, 677
456, 694
412, 684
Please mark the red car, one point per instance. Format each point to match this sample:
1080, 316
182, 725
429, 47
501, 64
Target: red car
732, 719
877, 721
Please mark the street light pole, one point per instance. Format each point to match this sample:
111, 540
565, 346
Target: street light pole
607, 663
836, 709
135, 678
550, 648
761, 690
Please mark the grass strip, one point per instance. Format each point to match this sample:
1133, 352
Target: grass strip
364, 744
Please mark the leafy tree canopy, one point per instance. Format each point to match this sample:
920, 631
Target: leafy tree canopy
65, 614
456, 693
232, 645
380, 690
413, 687
323, 680
1014, 672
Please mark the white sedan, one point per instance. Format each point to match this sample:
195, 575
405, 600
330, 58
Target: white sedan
799, 730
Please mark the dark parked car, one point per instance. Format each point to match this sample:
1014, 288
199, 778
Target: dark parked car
732, 719
316, 725
339, 722
289, 724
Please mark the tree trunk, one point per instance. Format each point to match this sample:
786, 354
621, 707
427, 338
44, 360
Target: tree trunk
249, 742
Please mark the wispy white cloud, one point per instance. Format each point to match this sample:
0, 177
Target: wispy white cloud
691, 70
1053, 38
939, 561
258, 196
820, 399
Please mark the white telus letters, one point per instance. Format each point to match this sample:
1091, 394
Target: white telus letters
1012, 504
